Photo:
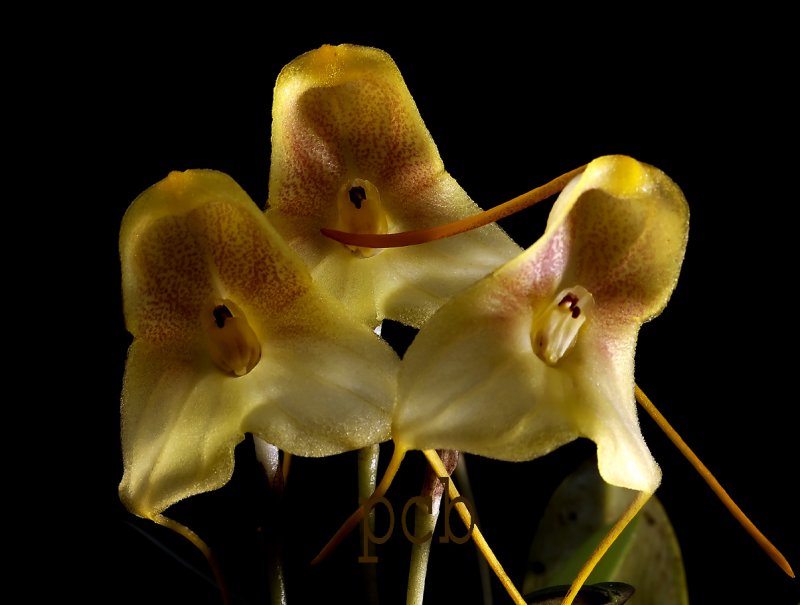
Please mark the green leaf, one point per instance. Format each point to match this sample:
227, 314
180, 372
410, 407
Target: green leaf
580, 513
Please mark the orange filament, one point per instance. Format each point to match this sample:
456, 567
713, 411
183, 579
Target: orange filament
477, 536
712, 482
356, 518
198, 542
421, 236
638, 502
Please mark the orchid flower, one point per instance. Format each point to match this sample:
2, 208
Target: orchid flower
541, 352
231, 335
350, 152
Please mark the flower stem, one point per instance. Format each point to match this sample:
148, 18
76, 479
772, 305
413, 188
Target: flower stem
275, 471
477, 536
367, 478
424, 525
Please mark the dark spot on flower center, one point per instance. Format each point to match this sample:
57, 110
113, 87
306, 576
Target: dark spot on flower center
221, 313
357, 195
572, 301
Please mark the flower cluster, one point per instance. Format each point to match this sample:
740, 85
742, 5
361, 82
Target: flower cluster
250, 321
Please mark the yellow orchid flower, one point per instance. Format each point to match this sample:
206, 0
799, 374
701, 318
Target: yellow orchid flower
232, 336
350, 152
541, 351
322, 177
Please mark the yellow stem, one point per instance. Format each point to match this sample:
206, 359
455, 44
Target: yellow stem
356, 518
605, 544
421, 236
477, 536
767, 546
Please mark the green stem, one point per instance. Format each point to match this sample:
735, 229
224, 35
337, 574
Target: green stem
424, 524
367, 479
269, 457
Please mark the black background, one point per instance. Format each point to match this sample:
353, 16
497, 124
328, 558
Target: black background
510, 104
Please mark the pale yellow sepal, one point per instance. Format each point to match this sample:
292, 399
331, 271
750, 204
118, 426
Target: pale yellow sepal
342, 115
473, 379
232, 336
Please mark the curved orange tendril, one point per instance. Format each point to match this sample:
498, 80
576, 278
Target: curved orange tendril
421, 236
